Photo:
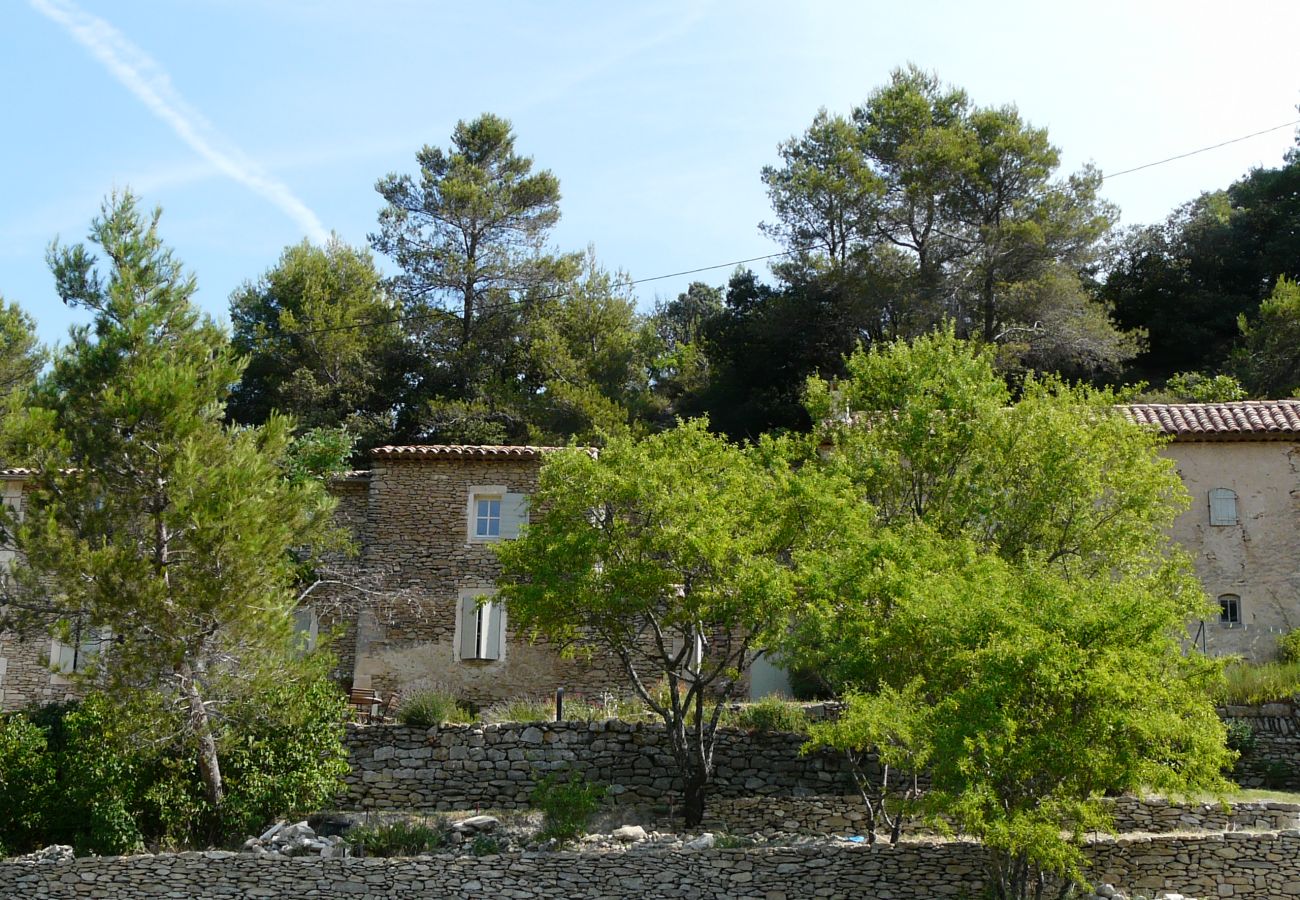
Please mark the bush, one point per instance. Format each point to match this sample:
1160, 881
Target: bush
425, 709
399, 838
1250, 684
1241, 737
772, 714
567, 806
520, 709
1288, 646
26, 783
110, 775
286, 757
609, 706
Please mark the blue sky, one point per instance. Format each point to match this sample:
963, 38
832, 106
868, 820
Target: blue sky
254, 123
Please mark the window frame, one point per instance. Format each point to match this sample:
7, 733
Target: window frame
511, 513
1219, 496
486, 650
1230, 610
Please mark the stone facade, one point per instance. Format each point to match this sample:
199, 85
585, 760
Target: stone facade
1248, 866
1240, 462
416, 538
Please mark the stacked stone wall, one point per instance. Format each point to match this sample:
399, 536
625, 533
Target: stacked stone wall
1274, 759
459, 767
1262, 866
417, 533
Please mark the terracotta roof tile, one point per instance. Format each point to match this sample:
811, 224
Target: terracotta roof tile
1249, 420
461, 451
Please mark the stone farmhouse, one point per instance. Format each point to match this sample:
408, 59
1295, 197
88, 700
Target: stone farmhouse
1241, 464
425, 517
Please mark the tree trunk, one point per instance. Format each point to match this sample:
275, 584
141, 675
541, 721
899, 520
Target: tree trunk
693, 805
201, 725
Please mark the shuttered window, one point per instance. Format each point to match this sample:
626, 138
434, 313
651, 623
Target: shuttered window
1223, 507
496, 514
481, 627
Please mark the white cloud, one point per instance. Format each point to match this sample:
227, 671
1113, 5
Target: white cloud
152, 86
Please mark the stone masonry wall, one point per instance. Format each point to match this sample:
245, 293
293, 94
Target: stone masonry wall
1260, 866
417, 532
1274, 762
762, 783
462, 766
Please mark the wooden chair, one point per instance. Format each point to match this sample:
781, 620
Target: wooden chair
365, 705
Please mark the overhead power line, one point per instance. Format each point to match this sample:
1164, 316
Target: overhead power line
1236, 140
416, 317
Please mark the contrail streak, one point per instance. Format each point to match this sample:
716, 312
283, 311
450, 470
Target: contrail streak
152, 86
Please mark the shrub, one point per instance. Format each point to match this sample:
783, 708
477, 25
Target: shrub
425, 709
520, 709
1250, 684
609, 706
1241, 737
110, 775
772, 714
26, 783
567, 806
286, 757
399, 838
1288, 646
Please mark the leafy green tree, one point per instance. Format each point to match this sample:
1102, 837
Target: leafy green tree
1197, 387
147, 517
588, 360
21, 355
468, 236
1000, 676
679, 369
666, 554
1187, 281
323, 343
826, 194
1269, 359
994, 600
926, 208
927, 432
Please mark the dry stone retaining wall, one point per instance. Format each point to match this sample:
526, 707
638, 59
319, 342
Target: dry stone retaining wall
1261, 866
1274, 761
463, 766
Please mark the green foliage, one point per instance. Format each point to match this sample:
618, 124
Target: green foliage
1005, 610
665, 553
488, 844
1241, 737
1195, 387
149, 517
283, 754
1288, 646
519, 709
322, 342
772, 714
1189, 280
425, 709
922, 207
567, 805
1268, 360
1250, 684
467, 236
587, 358
21, 358
109, 775
27, 783
398, 838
